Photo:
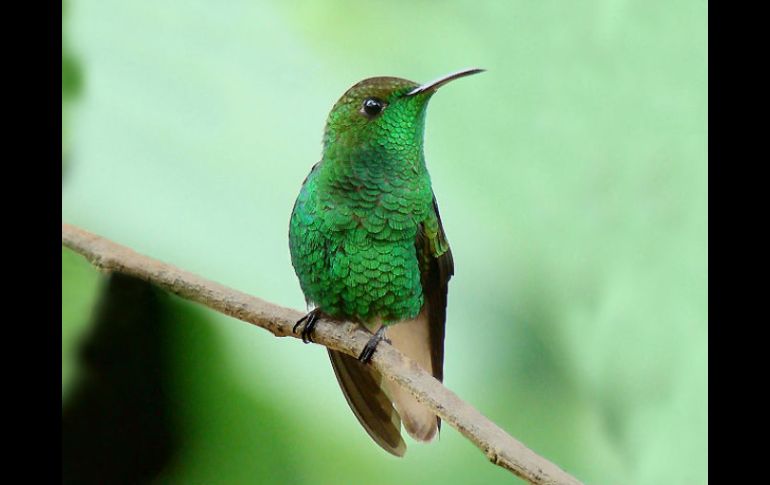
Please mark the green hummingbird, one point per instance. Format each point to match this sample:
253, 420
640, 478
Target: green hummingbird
368, 246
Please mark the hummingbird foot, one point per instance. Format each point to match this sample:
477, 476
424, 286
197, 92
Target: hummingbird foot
310, 320
371, 346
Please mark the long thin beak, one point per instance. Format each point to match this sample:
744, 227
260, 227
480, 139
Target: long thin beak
434, 85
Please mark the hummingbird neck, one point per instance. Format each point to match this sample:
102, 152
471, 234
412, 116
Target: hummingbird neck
374, 167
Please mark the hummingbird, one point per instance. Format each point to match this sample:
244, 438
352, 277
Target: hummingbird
368, 246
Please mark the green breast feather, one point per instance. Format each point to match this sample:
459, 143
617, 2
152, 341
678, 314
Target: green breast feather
355, 256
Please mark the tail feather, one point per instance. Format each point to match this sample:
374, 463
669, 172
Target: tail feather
360, 384
412, 338
382, 405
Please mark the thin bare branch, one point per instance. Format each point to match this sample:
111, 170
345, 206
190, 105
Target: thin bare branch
501, 449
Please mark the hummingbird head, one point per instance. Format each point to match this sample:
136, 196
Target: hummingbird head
385, 114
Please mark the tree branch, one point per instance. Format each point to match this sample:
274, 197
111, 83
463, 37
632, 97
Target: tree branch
501, 449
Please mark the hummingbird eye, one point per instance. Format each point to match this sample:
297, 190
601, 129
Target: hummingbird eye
373, 106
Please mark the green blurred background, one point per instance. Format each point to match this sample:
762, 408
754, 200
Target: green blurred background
572, 180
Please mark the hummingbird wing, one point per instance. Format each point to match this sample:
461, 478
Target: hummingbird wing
436, 270
360, 384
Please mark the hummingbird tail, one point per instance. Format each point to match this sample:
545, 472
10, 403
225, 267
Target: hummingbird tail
413, 339
360, 384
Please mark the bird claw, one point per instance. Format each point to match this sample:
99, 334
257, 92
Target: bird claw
371, 346
310, 320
